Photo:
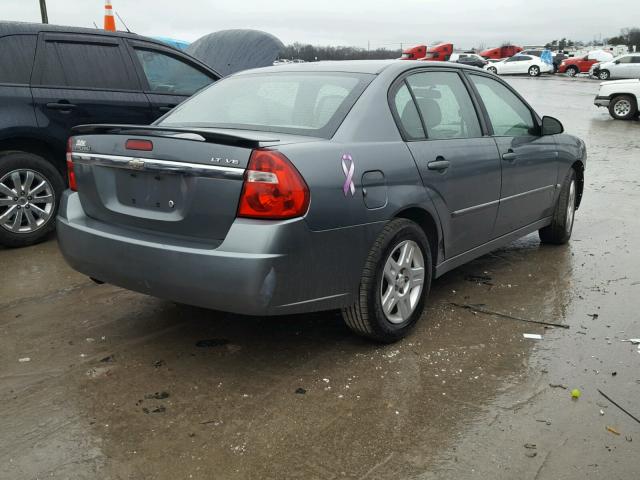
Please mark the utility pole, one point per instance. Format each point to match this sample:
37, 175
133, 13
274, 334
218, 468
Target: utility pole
43, 11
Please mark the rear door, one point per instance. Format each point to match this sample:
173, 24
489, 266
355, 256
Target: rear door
81, 79
624, 68
459, 166
529, 161
168, 77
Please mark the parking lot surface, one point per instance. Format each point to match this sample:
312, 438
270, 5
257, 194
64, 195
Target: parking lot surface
99, 382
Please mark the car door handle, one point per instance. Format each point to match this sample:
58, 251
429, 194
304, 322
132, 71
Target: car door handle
509, 156
61, 106
166, 108
439, 164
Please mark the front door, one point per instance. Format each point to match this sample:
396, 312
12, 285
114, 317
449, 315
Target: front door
529, 161
80, 79
625, 67
459, 166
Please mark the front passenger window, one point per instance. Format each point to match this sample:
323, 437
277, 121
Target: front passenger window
509, 116
166, 74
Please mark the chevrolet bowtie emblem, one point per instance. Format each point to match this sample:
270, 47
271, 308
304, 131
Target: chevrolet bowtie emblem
136, 164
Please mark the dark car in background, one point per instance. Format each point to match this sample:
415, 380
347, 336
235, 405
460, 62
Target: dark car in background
471, 59
55, 77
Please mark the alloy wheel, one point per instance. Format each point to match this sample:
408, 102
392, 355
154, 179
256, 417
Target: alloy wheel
534, 71
622, 107
26, 201
571, 206
402, 282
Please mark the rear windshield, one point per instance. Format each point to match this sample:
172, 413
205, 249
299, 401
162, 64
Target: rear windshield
311, 104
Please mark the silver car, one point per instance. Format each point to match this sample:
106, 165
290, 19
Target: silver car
317, 186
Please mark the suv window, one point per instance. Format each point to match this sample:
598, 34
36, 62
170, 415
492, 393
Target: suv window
509, 115
408, 113
445, 105
16, 58
167, 74
85, 65
627, 59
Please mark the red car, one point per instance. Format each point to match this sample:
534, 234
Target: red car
505, 51
575, 65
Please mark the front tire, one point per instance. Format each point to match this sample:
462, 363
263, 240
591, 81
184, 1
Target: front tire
559, 232
534, 71
604, 74
572, 71
623, 107
493, 70
394, 285
30, 189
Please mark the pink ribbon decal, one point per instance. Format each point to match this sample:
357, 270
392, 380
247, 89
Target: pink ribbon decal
349, 168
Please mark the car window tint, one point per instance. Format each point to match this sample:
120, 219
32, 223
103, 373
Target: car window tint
16, 58
89, 65
408, 113
303, 103
167, 74
508, 114
635, 59
625, 60
445, 105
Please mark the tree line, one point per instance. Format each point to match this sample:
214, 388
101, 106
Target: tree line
312, 53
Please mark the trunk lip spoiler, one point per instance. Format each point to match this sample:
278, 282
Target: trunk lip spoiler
155, 131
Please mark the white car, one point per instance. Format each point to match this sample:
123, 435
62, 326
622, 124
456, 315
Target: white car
624, 66
520, 64
621, 97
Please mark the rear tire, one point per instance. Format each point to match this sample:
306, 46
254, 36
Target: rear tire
572, 71
534, 71
28, 213
394, 285
559, 232
623, 107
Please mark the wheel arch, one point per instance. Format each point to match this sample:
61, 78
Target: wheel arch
47, 150
429, 225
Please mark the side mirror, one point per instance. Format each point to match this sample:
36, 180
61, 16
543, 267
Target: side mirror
551, 126
617, 62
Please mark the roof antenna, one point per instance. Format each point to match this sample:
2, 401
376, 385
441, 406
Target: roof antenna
95, 24
122, 21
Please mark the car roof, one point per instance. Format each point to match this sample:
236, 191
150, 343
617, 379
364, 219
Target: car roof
14, 28
372, 67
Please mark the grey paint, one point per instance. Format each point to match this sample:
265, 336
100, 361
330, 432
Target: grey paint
230, 51
314, 262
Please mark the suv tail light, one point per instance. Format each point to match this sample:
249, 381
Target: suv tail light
273, 188
71, 174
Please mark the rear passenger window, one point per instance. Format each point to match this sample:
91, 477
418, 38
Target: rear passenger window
445, 105
508, 114
408, 113
166, 74
16, 58
88, 65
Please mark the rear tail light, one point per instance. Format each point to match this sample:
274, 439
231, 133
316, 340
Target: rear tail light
134, 144
71, 174
273, 188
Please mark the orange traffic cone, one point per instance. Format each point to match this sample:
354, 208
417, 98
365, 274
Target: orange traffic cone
109, 21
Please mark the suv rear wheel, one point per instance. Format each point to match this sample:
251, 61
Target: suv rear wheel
30, 188
394, 285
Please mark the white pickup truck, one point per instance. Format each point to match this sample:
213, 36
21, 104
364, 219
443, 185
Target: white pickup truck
621, 97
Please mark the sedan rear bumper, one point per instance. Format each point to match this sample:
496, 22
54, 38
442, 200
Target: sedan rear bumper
261, 268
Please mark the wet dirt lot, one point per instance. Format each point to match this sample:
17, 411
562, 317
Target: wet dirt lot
122, 386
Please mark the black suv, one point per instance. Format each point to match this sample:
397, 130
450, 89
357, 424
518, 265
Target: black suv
53, 78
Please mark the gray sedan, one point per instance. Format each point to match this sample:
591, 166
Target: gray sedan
306, 187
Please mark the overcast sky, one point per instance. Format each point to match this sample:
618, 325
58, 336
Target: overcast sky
466, 23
